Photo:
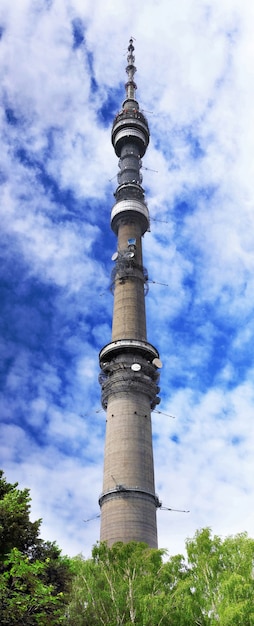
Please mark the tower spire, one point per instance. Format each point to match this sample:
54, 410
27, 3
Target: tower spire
129, 363
130, 86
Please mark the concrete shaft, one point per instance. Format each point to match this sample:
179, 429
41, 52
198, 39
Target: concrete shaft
128, 502
128, 507
129, 318
129, 519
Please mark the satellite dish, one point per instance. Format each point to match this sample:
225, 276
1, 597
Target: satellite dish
136, 367
157, 363
114, 256
130, 255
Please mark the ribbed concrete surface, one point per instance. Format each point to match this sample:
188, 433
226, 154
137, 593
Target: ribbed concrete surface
129, 519
128, 461
129, 319
128, 231
129, 311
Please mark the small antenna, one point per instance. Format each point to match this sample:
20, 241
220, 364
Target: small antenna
167, 414
166, 508
90, 519
149, 170
154, 219
154, 282
89, 413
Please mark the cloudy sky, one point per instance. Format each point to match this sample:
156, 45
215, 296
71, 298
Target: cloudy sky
62, 67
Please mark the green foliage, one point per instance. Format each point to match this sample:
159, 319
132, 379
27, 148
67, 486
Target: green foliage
34, 578
221, 579
16, 529
117, 586
24, 597
130, 584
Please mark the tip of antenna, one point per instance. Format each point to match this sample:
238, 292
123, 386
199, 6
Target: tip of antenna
130, 69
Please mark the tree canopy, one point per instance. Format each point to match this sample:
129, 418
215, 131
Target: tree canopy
34, 577
132, 584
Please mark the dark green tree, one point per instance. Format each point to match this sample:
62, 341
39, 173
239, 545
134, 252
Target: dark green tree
34, 577
16, 529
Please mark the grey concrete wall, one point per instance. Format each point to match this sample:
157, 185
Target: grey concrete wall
129, 318
128, 461
129, 519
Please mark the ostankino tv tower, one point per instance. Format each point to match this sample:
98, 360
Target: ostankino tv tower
129, 364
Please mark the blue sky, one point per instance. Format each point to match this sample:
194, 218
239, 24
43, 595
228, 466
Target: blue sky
62, 70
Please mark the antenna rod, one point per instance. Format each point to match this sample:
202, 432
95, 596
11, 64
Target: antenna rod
130, 86
165, 508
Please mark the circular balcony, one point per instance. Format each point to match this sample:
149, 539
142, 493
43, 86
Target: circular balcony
130, 125
129, 210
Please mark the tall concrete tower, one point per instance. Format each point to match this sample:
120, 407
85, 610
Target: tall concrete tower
129, 364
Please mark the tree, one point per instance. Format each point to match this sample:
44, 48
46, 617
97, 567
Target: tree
130, 584
215, 585
34, 577
16, 529
117, 586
